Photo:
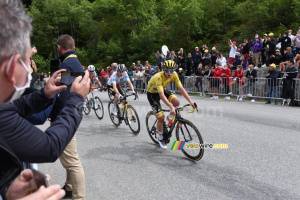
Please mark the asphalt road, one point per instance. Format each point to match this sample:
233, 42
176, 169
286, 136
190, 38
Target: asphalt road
262, 160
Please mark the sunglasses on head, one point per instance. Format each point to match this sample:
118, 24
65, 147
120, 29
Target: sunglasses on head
169, 70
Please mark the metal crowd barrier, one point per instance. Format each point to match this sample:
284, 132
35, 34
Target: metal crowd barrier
251, 89
255, 89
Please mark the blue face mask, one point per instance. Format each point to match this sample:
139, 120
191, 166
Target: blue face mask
19, 91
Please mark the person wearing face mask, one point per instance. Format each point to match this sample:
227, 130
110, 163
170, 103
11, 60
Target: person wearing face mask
251, 79
19, 139
257, 45
285, 42
226, 74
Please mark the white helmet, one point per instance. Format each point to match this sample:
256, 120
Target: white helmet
114, 64
91, 68
121, 68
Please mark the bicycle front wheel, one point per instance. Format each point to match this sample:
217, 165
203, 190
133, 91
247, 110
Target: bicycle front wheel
110, 96
115, 119
133, 119
99, 111
187, 132
151, 124
87, 106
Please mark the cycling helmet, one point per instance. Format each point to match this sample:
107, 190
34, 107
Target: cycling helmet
114, 64
91, 68
169, 64
121, 68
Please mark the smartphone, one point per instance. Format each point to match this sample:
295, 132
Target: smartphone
54, 65
67, 78
40, 179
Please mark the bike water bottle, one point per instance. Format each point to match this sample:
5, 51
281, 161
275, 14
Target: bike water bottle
171, 120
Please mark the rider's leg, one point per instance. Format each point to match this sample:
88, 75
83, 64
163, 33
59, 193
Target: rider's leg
160, 120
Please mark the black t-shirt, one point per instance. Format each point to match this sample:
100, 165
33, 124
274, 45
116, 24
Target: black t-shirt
246, 48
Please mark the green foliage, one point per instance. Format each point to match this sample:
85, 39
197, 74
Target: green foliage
125, 31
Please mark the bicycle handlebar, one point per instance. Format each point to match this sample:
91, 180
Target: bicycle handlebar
192, 111
124, 97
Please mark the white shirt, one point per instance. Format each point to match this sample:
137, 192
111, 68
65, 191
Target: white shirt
232, 51
114, 78
221, 61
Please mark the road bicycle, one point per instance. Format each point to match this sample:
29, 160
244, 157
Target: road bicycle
127, 113
186, 132
95, 104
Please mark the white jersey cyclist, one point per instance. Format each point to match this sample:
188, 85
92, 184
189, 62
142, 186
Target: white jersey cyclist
114, 78
94, 77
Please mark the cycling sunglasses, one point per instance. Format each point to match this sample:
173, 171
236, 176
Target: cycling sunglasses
169, 70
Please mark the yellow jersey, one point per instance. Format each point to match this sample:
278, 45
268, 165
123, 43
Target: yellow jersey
158, 82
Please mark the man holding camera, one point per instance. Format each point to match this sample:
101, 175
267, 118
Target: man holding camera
75, 182
19, 139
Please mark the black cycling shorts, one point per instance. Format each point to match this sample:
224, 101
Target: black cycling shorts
154, 100
112, 91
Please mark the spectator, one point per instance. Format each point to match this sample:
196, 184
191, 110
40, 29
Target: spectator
257, 46
226, 74
139, 64
25, 142
196, 58
75, 181
297, 40
215, 82
276, 59
289, 83
112, 69
159, 59
130, 75
102, 75
288, 55
199, 75
285, 42
272, 82
242, 61
181, 76
232, 52
182, 59
168, 56
156, 70
251, 79
147, 73
264, 51
271, 41
220, 59
291, 36
239, 80
214, 54
174, 57
206, 58
138, 77
246, 48
189, 65
297, 59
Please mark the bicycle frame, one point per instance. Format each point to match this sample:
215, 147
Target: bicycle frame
177, 119
122, 110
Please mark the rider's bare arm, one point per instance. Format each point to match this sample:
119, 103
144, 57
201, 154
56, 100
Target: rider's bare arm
130, 85
185, 94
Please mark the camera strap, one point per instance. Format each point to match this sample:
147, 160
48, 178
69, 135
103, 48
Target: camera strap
70, 56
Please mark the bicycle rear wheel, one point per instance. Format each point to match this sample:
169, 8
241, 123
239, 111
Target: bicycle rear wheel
133, 119
99, 111
151, 124
87, 106
115, 119
186, 131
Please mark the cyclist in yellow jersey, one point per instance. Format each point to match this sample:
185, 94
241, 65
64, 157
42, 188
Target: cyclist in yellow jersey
156, 90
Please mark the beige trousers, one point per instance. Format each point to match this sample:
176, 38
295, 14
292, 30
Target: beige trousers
255, 58
75, 175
